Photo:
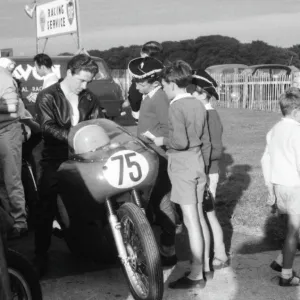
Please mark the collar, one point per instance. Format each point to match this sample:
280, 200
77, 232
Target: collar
208, 106
84, 93
180, 96
151, 94
48, 75
289, 120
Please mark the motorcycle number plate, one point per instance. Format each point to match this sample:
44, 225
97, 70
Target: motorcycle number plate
126, 169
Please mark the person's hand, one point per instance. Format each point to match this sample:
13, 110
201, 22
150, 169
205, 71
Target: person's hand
271, 195
159, 141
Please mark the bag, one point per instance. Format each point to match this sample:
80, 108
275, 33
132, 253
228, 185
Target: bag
208, 200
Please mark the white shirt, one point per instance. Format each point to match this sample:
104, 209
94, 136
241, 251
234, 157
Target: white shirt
281, 159
49, 79
151, 94
208, 106
73, 100
75, 112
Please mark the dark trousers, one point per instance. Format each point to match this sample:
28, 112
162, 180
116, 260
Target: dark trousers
134, 97
46, 209
161, 204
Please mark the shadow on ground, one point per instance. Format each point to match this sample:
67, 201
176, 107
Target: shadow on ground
234, 180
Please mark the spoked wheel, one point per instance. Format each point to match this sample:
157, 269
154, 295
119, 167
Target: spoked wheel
24, 282
143, 270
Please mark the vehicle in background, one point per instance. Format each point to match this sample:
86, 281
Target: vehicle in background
226, 69
272, 69
103, 86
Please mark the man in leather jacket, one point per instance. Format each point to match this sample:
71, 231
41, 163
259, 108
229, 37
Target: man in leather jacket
58, 108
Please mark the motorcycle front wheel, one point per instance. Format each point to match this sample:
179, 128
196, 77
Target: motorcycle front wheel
24, 282
143, 269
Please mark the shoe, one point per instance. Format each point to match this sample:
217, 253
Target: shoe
186, 283
168, 261
40, 263
276, 266
293, 281
17, 233
218, 263
208, 275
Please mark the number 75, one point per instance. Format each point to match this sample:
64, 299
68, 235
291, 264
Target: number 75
129, 165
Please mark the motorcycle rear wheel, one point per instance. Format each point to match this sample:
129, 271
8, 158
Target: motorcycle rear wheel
24, 282
143, 270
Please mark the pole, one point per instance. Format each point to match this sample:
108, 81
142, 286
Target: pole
36, 38
78, 25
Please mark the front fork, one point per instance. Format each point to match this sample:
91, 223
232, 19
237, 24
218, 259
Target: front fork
115, 225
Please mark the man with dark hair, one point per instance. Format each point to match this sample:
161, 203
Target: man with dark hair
59, 107
43, 65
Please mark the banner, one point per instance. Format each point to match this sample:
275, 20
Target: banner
56, 18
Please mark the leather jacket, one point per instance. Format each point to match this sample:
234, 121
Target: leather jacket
53, 113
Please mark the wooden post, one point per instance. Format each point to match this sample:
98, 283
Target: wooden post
78, 25
36, 38
245, 91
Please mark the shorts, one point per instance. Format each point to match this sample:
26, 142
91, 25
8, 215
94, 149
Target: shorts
288, 199
187, 175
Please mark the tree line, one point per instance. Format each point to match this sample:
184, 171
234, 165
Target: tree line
206, 51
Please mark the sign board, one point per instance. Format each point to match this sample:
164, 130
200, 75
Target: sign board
56, 18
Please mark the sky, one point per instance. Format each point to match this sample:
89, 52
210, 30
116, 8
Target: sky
112, 23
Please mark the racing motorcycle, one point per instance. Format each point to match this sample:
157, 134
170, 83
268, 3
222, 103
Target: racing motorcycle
104, 189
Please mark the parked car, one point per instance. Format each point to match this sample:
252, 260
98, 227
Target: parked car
272, 69
103, 86
226, 68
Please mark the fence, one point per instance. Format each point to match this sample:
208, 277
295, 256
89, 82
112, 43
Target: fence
259, 92
252, 92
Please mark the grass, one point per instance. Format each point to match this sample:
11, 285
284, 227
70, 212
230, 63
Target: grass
241, 195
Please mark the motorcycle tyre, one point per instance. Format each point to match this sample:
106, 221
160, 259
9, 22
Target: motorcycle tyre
150, 248
19, 267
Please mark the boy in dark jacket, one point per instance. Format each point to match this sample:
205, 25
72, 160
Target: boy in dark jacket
203, 89
188, 152
154, 122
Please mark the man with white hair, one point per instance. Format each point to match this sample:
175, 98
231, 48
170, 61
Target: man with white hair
11, 107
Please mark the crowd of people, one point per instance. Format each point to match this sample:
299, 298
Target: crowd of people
175, 118
172, 108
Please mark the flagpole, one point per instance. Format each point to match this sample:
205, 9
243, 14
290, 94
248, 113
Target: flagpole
36, 38
78, 25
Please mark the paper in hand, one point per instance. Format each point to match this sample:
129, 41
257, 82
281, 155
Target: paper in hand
149, 135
